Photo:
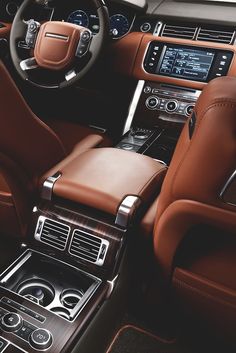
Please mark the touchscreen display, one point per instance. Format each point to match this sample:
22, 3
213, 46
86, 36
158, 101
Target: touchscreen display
186, 63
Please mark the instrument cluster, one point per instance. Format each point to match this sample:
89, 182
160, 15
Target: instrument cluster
121, 20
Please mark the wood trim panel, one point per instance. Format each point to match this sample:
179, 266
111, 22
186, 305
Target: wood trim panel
141, 74
78, 220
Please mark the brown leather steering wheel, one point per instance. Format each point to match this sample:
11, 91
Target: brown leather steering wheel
64, 50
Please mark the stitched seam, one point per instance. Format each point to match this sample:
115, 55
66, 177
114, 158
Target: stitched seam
151, 179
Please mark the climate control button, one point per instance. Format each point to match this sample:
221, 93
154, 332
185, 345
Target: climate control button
11, 322
41, 339
152, 102
172, 106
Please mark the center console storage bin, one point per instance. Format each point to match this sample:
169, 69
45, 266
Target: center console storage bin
103, 178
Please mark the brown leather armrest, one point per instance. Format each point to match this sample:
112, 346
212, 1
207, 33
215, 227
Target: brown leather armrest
102, 178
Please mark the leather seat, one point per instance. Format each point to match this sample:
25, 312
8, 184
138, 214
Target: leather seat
28, 148
203, 275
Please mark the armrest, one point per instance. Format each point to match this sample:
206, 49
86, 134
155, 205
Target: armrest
102, 178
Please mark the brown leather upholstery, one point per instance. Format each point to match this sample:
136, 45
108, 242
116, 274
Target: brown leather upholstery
202, 278
103, 178
58, 52
28, 148
148, 221
200, 167
206, 286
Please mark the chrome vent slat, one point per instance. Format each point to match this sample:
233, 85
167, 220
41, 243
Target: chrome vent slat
81, 243
52, 233
88, 247
53, 243
215, 36
52, 237
178, 31
63, 236
198, 33
81, 253
82, 249
85, 245
57, 228
88, 241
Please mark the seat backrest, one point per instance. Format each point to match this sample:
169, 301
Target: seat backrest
204, 159
24, 138
28, 148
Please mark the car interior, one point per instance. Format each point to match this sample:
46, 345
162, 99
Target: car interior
117, 176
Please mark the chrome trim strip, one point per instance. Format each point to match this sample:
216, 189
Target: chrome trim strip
57, 36
47, 190
16, 268
70, 75
111, 284
158, 28
28, 64
227, 184
127, 210
133, 106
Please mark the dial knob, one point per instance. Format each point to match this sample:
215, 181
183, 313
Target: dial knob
189, 109
41, 339
152, 102
11, 322
171, 106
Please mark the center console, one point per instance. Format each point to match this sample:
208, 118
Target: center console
81, 226
157, 115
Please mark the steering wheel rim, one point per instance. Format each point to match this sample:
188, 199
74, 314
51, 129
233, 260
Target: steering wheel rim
19, 29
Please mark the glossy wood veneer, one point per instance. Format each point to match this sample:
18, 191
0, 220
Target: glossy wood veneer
78, 220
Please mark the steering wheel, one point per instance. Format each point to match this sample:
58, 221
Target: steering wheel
57, 51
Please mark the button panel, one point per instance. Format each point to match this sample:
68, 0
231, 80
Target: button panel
13, 323
168, 102
23, 309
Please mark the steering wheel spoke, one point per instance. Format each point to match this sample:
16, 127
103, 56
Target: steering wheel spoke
85, 40
32, 33
28, 64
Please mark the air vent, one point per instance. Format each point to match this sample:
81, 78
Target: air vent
178, 31
88, 247
52, 232
216, 36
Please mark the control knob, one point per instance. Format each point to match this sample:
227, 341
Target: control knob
172, 106
41, 339
11, 322
189, 109
152, 102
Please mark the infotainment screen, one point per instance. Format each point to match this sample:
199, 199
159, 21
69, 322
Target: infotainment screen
186, 63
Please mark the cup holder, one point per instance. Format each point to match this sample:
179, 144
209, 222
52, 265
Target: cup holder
71, 297
38, 291
61, 312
